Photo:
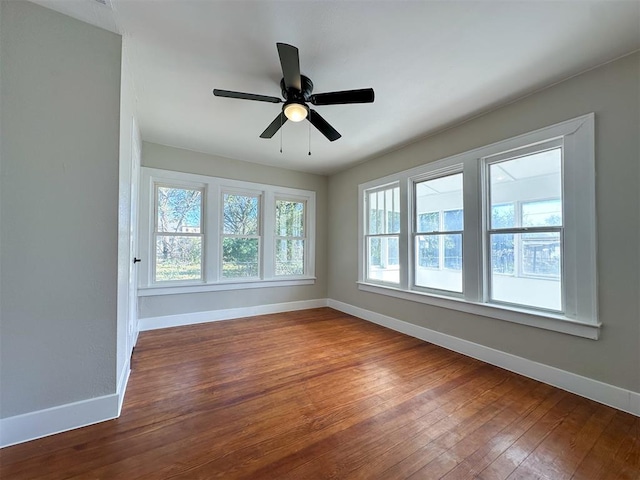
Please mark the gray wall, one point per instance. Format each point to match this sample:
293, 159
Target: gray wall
169, 158
613, 93
59, 102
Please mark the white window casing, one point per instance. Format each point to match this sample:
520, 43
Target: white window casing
213, 190
578, 314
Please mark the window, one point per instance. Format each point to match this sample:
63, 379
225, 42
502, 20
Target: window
205, 233
290, 237
505, 231
178, 234
383, 216
438, 235
240, 236
527, 246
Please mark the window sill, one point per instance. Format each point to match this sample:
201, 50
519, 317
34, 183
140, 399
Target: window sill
223, 286
547, 321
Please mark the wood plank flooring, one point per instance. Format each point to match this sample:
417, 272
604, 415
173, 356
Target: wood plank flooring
318, 394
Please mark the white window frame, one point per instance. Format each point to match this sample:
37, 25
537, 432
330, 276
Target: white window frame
259, 236
156, 233
383, 236
213, 188
304, 238
580, 316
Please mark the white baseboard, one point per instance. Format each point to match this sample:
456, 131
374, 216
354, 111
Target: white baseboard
122, 384
154, 323
616, 397
33, 425
42, 423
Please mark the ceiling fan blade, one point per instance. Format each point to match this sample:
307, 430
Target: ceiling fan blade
290, 61
245, 96
274, 126
364, 95
322, 125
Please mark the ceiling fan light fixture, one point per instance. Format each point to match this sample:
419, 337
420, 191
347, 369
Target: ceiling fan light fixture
295, 112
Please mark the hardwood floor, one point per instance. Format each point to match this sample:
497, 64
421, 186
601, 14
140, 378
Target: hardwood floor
319, 394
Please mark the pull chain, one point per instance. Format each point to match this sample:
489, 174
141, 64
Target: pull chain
309, 138
280, 132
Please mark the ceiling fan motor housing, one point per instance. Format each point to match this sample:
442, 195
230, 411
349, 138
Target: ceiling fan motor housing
292, 94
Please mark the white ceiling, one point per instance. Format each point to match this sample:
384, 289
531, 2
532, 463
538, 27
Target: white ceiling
432, 64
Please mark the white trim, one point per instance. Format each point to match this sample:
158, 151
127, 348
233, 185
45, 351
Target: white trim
546, 321
123, 382
211, 287
211, 231
154, 323
616, 397
42, 423
579, 255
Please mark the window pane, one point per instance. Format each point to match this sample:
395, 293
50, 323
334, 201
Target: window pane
179, 210
428, 251
384, 211
240, 257
428, 273
453, 251
503, 216
428, 222
525, 180
546, 213
442, 194
289, 257
178, 258
289, 218
541, 254
241, 214
538, 284
382, 259
503, 254
452, 221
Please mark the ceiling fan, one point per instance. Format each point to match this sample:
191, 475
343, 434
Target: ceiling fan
297, 91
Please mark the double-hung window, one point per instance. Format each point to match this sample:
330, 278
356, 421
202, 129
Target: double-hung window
240, 235
178, 233
382, 238
203, 233
525, 229
291, 236
437, 237
505, 231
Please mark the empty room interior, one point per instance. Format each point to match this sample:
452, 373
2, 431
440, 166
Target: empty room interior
319, 239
